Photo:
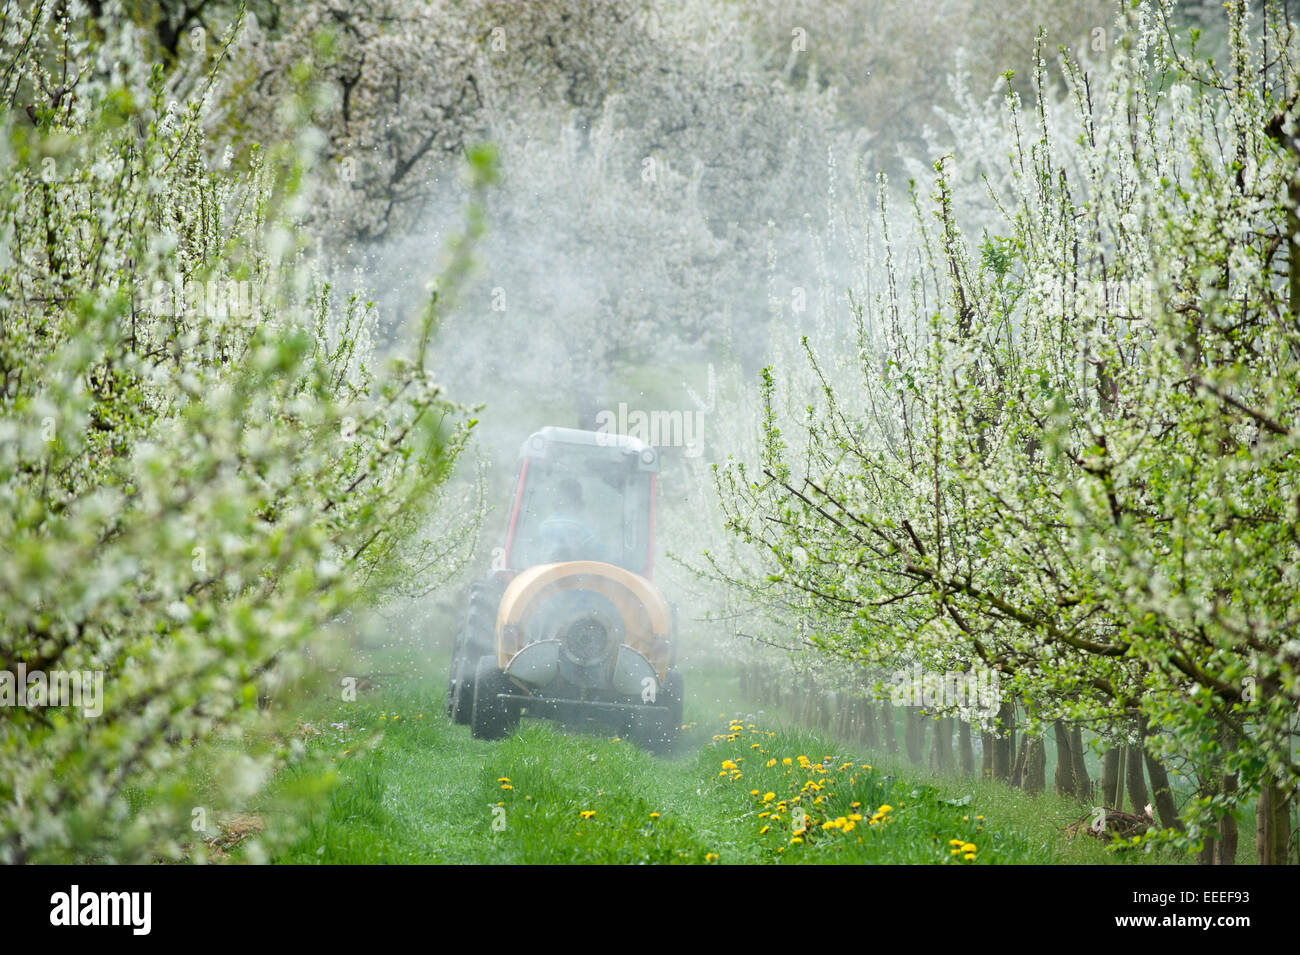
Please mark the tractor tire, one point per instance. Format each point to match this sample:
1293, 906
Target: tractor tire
491, 718
474, 637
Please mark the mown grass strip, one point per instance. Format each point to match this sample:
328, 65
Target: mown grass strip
412, 787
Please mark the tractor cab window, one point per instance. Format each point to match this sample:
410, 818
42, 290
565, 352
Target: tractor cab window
582, 507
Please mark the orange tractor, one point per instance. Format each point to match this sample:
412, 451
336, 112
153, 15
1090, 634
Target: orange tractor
568, 625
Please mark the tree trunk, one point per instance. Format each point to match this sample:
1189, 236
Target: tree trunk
987, 742
1138, 796
1110, 777
1009, 722
1018, 767
1226, 853
1272, 823
1034, 779
943, 744
1163, 794
1002, 752
1064, 780
868, 724
1082, 784
913, 734
964, 750
887, 726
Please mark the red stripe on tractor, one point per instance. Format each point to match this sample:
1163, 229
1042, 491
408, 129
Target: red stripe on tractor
514, 512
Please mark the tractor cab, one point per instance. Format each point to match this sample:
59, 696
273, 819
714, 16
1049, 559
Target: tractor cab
582, 495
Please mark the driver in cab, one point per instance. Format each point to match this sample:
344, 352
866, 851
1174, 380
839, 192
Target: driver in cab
566, 535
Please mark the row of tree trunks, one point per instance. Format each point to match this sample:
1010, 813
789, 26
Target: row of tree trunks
864, 719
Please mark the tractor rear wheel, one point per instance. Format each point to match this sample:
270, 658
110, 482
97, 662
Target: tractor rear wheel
491, 718
473, 637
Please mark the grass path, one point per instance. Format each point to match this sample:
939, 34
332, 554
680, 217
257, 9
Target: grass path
413, 788
408, 786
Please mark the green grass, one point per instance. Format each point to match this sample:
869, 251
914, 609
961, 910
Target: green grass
410, 787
